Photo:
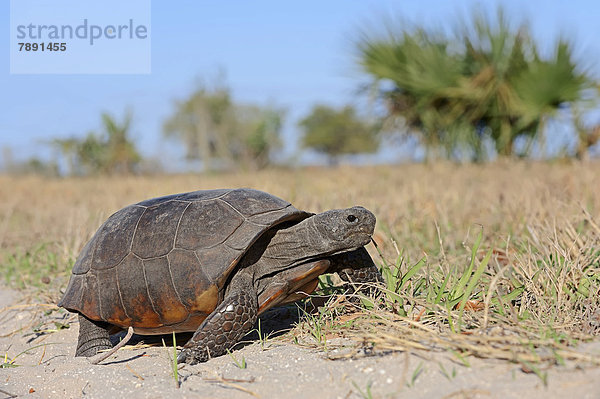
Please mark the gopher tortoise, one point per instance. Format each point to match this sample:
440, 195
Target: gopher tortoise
210, 262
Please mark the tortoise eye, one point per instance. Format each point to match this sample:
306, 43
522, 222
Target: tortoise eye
351, 218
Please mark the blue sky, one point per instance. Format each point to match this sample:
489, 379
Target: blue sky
290, 54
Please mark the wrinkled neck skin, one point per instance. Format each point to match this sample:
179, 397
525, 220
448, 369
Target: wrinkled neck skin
283, 249
294, 245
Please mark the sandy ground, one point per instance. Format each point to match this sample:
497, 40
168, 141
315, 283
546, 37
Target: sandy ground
277, 370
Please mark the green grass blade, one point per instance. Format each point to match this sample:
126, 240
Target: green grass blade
472, 283
441, 289
511, 296
412, 271
462, 283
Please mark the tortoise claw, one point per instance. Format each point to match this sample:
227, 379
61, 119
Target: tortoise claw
191, 357
182, 357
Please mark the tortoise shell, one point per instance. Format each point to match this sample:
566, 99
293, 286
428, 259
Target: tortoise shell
161, 265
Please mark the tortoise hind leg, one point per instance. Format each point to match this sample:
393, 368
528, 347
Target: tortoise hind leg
223, 328
93, 337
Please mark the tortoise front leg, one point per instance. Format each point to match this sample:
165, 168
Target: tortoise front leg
356, 267
223, 328
93, 337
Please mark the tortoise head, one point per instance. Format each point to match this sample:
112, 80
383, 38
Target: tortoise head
342, 229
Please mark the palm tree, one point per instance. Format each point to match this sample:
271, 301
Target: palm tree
121, 154
68, 149
485, 81
110, 151
518, 88
420, 68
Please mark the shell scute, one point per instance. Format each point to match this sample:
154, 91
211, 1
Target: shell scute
217, 262
83, 264
111, 310
202, 195
189, 280
252, 202
243, 236
90, 303
113, 239
76, 288
157, 201
134, 292
206, 224
162, 292
155, 232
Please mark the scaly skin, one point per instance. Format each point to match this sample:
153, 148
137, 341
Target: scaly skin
356, 267
93, 337
222, 329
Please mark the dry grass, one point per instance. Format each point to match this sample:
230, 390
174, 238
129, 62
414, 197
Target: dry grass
540, 225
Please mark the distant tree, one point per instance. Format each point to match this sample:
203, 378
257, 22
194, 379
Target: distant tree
201, 122
8, 160
587, 137
92, 153
32, 165
109, 151
120, 154
69, 149
37, 166
338, 132
486, 80
222, 133
588, 131
258, 131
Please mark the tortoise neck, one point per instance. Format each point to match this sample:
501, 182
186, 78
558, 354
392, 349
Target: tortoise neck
298, 242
